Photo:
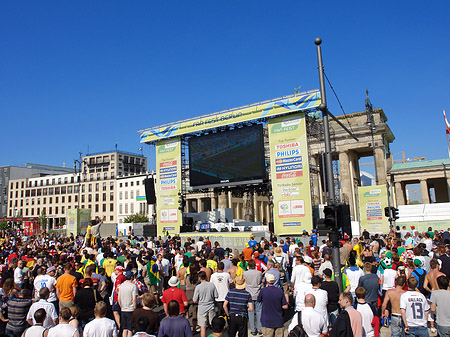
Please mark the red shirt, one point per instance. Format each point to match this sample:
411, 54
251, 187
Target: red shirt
174, 293
119, 280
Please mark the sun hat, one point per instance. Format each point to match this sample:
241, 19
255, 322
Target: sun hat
277, 251
307, 259
240, 282
174, 281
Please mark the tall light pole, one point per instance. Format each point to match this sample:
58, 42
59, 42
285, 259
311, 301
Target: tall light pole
331, 198
77, 168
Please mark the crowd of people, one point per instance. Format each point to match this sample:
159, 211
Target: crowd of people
168, 287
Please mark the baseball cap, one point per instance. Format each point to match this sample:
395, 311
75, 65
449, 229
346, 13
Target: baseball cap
417, 262
270, 278
255, 254
50, 269
119, 268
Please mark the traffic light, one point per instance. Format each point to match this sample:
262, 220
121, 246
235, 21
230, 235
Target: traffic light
394, 213
387, 212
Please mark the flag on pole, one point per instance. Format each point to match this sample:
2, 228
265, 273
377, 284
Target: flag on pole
447, 124
140, 149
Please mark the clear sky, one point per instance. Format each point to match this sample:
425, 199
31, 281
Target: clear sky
85, 74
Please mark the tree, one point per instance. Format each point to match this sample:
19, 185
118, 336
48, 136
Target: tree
42, 220
3, 225
136, 218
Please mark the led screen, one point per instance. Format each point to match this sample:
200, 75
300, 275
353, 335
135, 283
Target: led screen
231, 156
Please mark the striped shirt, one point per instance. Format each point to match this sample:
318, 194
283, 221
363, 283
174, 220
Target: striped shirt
238, 299
17, 313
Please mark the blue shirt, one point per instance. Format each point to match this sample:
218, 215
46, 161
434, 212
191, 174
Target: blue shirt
314, 239
252, 243
273, 300
238, 300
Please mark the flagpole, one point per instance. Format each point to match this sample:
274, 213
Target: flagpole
447, 131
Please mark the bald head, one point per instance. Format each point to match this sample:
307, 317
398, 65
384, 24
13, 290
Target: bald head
310, 301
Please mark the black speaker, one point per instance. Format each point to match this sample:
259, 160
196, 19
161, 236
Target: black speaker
322, 172
271, 227
150, 191
149, 230
343, 219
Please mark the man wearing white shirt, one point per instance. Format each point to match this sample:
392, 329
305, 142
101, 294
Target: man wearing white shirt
100, 326
46, 280
292, 247
299, 274
320, 297
414, 307
199, 245
312, 321
51, 318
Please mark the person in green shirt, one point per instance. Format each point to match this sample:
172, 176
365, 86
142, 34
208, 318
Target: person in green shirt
430, 231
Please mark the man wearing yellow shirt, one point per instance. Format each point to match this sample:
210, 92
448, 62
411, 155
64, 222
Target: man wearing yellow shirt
109, 264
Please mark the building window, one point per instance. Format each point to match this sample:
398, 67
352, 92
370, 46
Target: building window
126, 208
57, 190
56, 210
126, 184
137, 183
131, 184
50, 200
83, 199
63, 190
69, 189
63, 199
104, 207
96, 197
104, 186
66, 180
90, 198
96, 208
50, 191
111, 218
105, 175
69, 198
44, 191
38, 201
120, 195
83, 189
104, 196
97, 187
63, 210
56, 199
131, 195
132, 208
120, 208
111, 207
111, 196
71, 179
111, 185
126, 195
89, 188
59, 182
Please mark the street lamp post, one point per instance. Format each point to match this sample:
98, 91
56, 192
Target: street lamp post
77, 170
373, 127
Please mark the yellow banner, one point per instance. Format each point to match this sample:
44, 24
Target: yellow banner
292, 212
276, 107
168, 185
372, 201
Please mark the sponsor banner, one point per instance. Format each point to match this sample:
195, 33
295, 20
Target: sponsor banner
372, 201
140, 197
77, 220
168, 163
292, 210
276, 107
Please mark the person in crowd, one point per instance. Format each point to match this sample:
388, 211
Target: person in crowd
332, 289
66, 287
240, 302
175, 325
51, 315
64, 329
349, 321
370, 282
18, 308
222, 281
313, 322
205, 294
440, 305
414, 308
176, 294
320, 297
217, 326
37, 327
368, 312
352, 274
392, 296
100, 326
146, 311
253, 279
273, 302
85, 299
127, 299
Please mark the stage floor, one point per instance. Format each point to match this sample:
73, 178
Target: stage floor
233, 240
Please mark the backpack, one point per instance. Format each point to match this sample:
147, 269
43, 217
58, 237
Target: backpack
298, 330
421, 282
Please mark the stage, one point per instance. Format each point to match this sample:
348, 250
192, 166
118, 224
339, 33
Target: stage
233, 240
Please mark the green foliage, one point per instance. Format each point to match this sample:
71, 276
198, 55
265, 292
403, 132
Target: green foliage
3, 225
42, 220
414, 202
136, 218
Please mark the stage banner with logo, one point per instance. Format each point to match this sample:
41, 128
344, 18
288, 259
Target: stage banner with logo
292, 212
168, 185
372, 201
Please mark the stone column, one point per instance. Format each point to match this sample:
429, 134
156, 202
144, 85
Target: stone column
255, 208
262, 213
199, 205
448, 188
223, 200
346, 179
238, 211
399, 193
315, 182
213, 202
424, 191
229, 198
381, 165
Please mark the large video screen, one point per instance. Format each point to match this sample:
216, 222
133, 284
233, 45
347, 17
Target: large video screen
225, 157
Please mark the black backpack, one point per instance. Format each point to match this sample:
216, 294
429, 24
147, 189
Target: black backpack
421, 282
298, 330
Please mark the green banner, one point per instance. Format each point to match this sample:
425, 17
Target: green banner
168, 185
372, 201
275, 107
292, 212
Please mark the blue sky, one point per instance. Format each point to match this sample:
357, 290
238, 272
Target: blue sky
83, 73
